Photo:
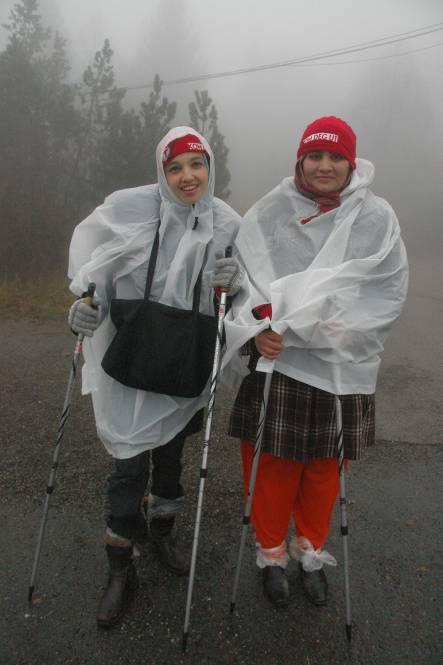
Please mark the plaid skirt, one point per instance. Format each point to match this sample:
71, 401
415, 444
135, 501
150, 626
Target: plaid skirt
300, 419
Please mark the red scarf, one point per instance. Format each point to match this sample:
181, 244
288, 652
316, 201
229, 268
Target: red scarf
324, 201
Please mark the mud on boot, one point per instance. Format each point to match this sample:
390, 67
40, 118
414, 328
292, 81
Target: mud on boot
120, 589
164, 539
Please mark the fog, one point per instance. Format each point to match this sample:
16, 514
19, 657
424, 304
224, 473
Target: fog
391, 95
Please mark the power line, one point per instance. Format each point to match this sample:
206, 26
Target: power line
355, 48
380, 57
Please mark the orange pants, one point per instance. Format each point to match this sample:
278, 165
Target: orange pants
283, 488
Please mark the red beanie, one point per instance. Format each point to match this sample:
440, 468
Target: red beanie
330, 134
187, 143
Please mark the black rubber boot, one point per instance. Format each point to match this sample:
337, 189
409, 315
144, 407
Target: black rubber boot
164, 539
315, 586
120, 589
275, 585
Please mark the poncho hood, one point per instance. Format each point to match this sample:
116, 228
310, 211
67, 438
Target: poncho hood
166, 194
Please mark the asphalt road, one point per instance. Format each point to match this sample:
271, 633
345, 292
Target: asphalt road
394, 514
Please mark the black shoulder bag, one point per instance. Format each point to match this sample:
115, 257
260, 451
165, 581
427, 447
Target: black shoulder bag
160, 348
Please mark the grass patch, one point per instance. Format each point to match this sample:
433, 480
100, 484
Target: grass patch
42, 297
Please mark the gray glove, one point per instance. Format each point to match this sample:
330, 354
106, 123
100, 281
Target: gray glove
228, 275
83, 318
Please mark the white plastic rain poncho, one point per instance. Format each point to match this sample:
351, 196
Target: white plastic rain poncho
111, 248
336, 284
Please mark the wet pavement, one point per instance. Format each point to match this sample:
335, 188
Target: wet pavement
394, 514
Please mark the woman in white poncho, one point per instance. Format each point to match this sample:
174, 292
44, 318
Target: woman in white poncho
111, 248
327, 256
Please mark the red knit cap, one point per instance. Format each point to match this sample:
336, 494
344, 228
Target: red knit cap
187, 143
330, 134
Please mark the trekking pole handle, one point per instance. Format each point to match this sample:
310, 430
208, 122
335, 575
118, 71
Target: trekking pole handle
89, 297
228, 254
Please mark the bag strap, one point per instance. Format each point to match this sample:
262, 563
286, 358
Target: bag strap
152, 262
151, 270
197, 291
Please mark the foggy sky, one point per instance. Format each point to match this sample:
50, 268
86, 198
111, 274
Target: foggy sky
393, 104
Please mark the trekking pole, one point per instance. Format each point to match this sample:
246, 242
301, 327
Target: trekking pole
260, 312
343, 515
204, 462
60, 432
248, 504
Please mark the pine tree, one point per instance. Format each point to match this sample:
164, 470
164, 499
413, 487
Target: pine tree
157, 115
122, 143
101, 108
204, 118
36, 106
25, 29
61, 158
